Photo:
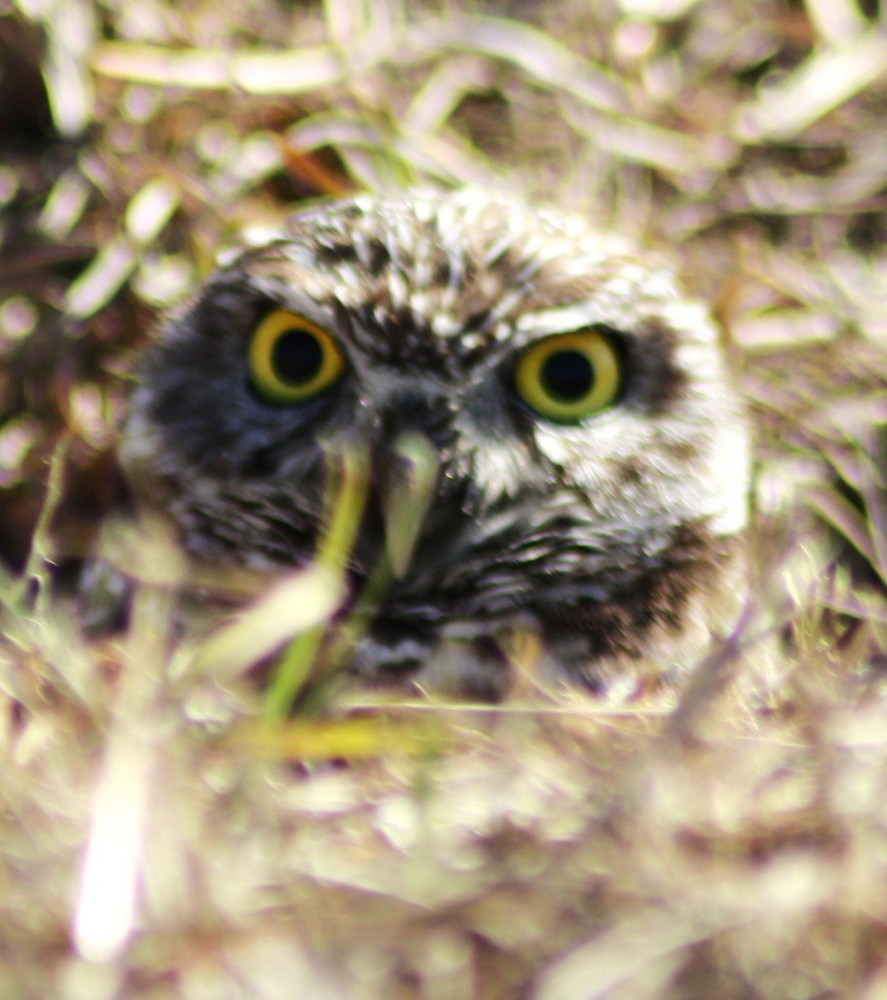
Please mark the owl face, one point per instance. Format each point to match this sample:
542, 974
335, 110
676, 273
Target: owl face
581, 457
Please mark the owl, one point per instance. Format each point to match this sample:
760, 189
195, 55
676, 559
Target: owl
555, 462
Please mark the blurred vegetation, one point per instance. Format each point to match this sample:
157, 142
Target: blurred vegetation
153, 841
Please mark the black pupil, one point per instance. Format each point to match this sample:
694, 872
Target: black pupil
567, 375
297, 357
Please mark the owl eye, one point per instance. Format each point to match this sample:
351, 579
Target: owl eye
570, 376
291, 359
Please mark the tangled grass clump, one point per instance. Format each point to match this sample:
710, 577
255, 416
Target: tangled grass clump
168, 831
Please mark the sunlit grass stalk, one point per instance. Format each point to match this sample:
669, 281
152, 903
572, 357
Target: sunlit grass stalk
348, 496
42, 554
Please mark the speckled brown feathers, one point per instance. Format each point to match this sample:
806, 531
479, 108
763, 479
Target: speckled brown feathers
612, 539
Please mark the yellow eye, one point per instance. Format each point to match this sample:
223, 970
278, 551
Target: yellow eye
291, 359
570, 376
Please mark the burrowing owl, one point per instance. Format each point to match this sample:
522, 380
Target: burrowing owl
584, 456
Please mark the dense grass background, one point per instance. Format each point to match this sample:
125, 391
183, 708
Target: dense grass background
160, 835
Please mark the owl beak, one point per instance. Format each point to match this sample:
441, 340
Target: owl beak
406, 490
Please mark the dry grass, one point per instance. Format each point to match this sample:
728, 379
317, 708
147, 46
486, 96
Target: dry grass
161, 834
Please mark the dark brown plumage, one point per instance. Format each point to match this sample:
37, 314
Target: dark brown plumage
585, 456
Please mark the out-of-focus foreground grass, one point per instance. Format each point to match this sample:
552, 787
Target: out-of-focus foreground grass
159, 836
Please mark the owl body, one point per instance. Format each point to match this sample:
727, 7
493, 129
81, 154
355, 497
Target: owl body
583, 458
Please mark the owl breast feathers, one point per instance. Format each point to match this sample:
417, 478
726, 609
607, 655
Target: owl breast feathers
559, 414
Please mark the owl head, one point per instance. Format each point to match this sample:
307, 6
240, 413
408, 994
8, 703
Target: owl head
552, 445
